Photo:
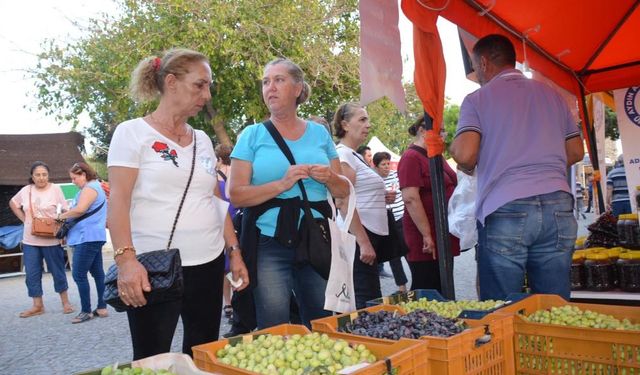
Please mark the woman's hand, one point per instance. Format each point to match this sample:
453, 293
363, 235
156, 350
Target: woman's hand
132, 281
367, 254
294, 173
238, 269
428, 246
320, 173
389, 196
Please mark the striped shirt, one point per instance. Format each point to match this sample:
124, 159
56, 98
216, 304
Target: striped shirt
369, 192
391, 182
617, 180
579, 191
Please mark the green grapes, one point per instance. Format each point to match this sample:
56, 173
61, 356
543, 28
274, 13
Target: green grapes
109, 370
575, 317
450, 309
294, 355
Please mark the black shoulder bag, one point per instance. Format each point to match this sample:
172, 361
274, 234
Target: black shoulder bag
314, 246
164, 267
69, 223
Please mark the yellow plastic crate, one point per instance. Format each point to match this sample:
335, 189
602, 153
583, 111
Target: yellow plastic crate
407, 356
468, 352
554, 349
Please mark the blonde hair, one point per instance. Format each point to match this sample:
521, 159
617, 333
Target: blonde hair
298, 75
147, 79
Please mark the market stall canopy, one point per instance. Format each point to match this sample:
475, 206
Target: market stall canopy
588, 43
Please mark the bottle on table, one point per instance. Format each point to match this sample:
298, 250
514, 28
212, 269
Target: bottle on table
577, 270
599, 271
629, 271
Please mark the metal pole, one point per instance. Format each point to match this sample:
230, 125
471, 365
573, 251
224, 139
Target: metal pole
445, 258
593, 151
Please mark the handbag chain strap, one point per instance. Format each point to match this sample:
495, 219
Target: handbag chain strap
277, 137
184, 195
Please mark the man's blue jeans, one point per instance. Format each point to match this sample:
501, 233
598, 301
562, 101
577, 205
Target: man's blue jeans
32, 258
278, 276
87, 257
533, 236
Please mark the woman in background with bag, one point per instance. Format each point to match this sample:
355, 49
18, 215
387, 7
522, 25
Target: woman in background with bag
88, 215
40, 199
266, 184
351, 126
419, 219
163, 181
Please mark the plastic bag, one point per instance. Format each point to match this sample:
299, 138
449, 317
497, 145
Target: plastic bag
462, 211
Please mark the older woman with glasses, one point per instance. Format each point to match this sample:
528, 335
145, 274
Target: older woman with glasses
88, 214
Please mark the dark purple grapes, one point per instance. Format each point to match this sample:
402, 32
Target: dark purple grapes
391, 325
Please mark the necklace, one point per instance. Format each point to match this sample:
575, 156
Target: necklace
169, 130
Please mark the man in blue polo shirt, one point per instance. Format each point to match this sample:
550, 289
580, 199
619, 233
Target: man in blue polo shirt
521, 137
617, 191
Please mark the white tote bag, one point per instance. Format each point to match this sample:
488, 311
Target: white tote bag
340, 294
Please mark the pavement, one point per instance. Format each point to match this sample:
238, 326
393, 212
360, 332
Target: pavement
50, 344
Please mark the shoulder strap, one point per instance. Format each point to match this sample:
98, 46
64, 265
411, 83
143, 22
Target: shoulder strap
33, 216
420, 150
184, 195
87, 214
277, 137
221, 174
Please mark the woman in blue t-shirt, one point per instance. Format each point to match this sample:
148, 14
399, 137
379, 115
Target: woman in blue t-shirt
87, 237
260, 172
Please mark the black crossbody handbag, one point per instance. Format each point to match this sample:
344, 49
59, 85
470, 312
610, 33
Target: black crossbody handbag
314, 245
164, 267
70, 223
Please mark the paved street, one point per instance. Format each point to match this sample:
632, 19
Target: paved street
50, 344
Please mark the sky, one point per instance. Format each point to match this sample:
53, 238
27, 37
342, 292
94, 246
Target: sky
25, 24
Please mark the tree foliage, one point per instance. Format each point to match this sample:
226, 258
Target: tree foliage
391, 126
91, 75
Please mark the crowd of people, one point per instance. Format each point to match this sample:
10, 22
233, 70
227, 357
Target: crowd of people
524, 226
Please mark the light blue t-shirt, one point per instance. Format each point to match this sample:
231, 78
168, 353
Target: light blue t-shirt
92, 228
256, 145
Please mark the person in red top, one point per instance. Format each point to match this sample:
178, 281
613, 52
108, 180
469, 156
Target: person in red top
418, 221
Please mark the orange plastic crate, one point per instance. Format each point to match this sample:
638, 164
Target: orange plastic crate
554, 349
464, 353
407, 356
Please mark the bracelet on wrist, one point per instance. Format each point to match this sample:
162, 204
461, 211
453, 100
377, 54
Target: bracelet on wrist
121, 250
231, 248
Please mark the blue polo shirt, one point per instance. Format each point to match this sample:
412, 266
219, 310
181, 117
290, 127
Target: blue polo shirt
523, 125
256, 145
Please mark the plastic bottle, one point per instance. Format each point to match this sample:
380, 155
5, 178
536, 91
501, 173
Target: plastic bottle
629, 271
633, 232
599, 271
614, 255
621, 227
638, 200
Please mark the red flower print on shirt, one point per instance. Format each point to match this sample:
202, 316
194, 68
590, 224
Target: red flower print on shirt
164, 151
